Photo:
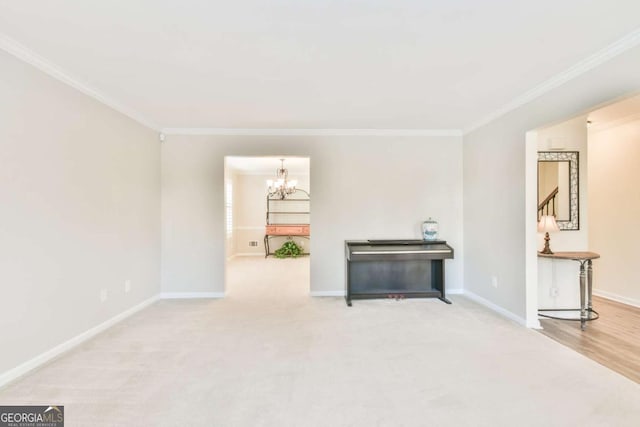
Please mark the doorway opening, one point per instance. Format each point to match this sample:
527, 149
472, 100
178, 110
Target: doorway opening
267, 202
607, 140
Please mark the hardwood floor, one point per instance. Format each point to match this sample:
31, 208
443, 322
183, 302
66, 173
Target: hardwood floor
613, 340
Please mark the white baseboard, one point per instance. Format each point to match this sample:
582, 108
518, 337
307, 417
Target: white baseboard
190, 295
20, 370
618, 298
250, 254
494, 307
326, 293
454, 291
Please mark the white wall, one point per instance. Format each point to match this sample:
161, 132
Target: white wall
363, 187
80, 202
614, 210
495, 231
250, 207
230, 196
561, 275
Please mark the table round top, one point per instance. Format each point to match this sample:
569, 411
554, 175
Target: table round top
576, 255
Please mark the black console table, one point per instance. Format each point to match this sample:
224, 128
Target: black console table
395, 268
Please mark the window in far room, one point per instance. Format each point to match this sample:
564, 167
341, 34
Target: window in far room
228, 207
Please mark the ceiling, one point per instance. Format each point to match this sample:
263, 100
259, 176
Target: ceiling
268, 165
311, 64
615, 114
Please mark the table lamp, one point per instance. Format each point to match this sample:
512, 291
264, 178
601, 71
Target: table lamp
547, 224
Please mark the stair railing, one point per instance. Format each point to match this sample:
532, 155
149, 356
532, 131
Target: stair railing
548, 204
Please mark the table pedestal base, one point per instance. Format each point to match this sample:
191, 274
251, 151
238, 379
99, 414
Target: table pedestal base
586, 285
591, 314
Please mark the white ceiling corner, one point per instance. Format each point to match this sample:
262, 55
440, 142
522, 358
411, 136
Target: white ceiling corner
21, 52
618, 113
628, 42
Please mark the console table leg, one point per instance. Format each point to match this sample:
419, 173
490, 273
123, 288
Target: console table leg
443, 299
583, 311
348, 300
589, 287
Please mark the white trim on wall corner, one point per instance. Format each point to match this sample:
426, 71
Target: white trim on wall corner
627, 42
20, 370
617, 298
312, 132
25, 54
496, 308
327, 293
190, 295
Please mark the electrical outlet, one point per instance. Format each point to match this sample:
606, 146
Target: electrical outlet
127, 286
103, 295
553, 292
253, 243
494, 281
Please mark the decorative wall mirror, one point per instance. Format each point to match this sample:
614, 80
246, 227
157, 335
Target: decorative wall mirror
558, 187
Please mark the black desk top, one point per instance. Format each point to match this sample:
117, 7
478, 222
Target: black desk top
398, 247
394, 242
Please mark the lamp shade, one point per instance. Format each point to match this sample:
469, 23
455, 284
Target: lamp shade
547, 224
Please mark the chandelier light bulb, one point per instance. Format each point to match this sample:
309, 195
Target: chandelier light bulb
281, 187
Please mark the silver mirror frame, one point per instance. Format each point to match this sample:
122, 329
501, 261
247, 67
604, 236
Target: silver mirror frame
574, 184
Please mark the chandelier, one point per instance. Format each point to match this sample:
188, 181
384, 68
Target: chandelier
281, 187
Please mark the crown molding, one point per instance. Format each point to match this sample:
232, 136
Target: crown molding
312, 132
627, 42
23, 53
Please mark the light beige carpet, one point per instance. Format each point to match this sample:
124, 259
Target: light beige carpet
269, 355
